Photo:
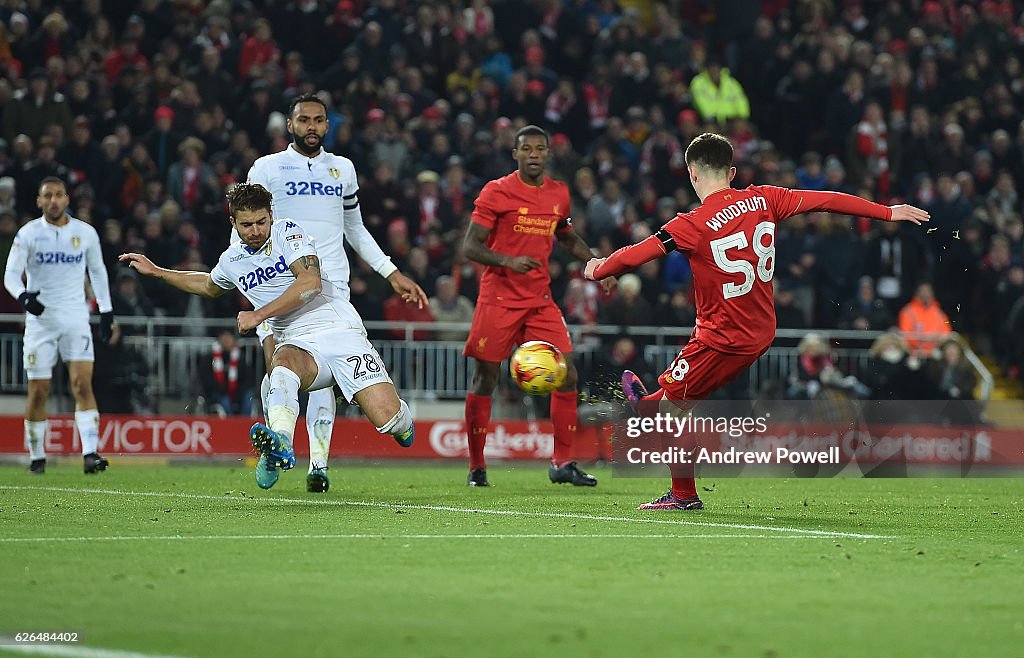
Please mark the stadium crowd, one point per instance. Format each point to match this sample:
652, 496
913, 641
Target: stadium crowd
151, 109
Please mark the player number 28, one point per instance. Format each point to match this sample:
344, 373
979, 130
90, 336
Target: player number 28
679, 368
765, 258
359, 362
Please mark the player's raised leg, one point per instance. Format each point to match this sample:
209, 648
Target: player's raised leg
478, 418
360, 374
633, 388
389, 413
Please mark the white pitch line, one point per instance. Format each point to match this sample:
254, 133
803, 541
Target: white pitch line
72, 651
13, 540
461, 510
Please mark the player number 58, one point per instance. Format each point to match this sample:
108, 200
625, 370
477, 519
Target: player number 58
765, 258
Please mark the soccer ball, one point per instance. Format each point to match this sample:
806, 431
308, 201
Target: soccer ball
538, 367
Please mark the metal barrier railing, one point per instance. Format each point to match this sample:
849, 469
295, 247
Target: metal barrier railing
430, 369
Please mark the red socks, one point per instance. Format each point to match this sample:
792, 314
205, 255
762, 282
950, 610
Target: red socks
565, 417
684, 488
683, 484
478, 417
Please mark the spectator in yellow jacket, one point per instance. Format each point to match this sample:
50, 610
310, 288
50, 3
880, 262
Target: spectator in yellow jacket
719, 96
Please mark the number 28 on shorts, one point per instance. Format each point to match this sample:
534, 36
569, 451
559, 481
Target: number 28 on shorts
677, 370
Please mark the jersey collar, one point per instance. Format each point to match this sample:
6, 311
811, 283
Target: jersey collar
295, 154
58, 226
719, 193
252, 252
544, 181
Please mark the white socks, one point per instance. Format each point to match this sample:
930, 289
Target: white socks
264, 392
88, 424
280, 393
35, 439
320, 410
401, 422
283, 401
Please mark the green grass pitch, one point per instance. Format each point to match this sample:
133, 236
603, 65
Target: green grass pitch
407, 561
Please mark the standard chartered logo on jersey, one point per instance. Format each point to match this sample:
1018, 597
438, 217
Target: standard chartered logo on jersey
535, 225
449, 439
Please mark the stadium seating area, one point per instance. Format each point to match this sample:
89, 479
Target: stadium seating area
150, 109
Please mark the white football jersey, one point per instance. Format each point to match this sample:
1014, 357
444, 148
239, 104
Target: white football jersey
319, 193
54, 260
263, 275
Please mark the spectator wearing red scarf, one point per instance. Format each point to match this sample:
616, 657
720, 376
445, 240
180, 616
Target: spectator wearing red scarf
227, 380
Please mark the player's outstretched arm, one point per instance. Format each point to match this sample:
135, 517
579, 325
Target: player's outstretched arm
306, 286
478, 252
907, 213
624, 259
787, 203
194, 283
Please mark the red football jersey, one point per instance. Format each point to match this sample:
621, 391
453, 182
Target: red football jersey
523, 220
730, 241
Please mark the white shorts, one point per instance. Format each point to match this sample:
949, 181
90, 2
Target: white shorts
263, 330
43, 341
343, 356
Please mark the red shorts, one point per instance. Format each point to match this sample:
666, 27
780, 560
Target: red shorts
698, 371
496, 329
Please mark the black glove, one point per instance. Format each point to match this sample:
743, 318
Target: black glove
106, 326
31, 304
